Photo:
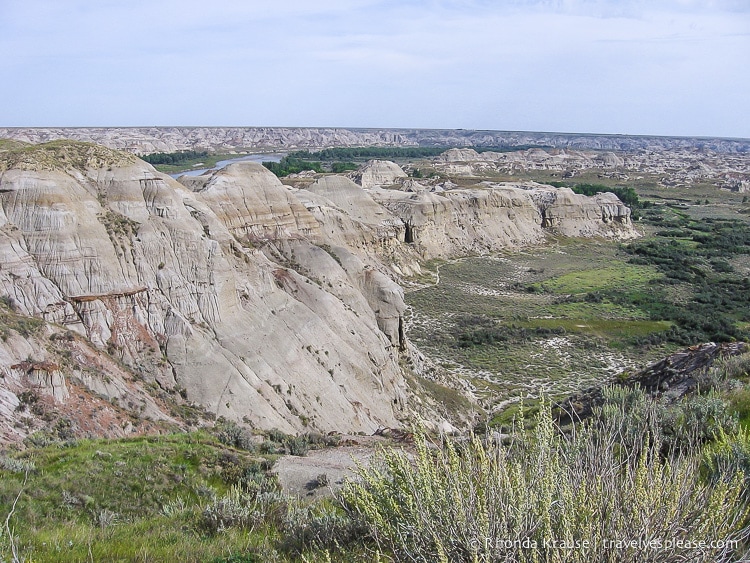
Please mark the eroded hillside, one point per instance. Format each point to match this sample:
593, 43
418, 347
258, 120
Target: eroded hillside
167, 139
231, 295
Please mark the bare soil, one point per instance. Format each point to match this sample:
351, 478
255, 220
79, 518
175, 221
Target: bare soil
302, 475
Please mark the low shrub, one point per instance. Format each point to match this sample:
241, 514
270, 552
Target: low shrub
320, 526
232, 434
728, 457
548, 496
234, 509
297, 445
16, 465
631, 415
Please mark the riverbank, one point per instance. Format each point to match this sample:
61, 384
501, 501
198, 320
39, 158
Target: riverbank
214, 162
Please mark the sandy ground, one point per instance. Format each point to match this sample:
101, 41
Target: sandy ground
303, 475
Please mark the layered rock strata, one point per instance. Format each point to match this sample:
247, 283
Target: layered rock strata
247, 298
168, 139
135, 261
678, 166
493, 217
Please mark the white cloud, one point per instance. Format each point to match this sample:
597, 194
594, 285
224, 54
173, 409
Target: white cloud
658, 66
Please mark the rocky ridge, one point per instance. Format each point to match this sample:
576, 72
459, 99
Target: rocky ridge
678, 375
674, 161
675, 167
142, 140
230, 294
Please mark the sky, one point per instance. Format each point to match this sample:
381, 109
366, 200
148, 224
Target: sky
652, 67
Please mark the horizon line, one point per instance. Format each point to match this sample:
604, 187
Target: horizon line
639, 135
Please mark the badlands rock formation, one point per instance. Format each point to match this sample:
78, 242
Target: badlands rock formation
675, 167
230, 292
378, 174
172, 282
493, 216
673, 161
144, 140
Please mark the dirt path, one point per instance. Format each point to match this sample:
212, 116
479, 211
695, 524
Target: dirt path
321, 472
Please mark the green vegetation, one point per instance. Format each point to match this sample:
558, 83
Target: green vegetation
341, 167
174, 158
535, 321
639, 469
681, 276
613, 276
695, 255
292, 165
343, 159
569, 315
551, 496
178, 497
11, 145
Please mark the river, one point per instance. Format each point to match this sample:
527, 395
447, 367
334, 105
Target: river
274, 157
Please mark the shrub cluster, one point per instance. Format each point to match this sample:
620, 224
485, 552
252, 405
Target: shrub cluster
695, 254
599, 492
173, 158
241, 508
292, 165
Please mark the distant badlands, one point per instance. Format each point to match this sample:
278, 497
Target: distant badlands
143, 140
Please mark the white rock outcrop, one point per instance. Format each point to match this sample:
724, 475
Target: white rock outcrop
256, 301
144, 140
378, 174
493, 217
135, 261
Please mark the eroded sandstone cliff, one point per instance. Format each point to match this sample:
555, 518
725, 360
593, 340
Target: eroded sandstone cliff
140, 264
491, 217
232, 293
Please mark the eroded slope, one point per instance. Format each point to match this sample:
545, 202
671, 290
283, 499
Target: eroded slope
253, 300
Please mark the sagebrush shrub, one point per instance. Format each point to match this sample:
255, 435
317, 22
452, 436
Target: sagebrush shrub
548, 496
321, 526
234, 509
232, 434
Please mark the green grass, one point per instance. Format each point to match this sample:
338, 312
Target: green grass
575, 312
546, 331
176, 497
455, 403
154, 499
618, 275
740, 403
614, 330
10, 145
132, 477
150, 539
511, 415
105, 498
